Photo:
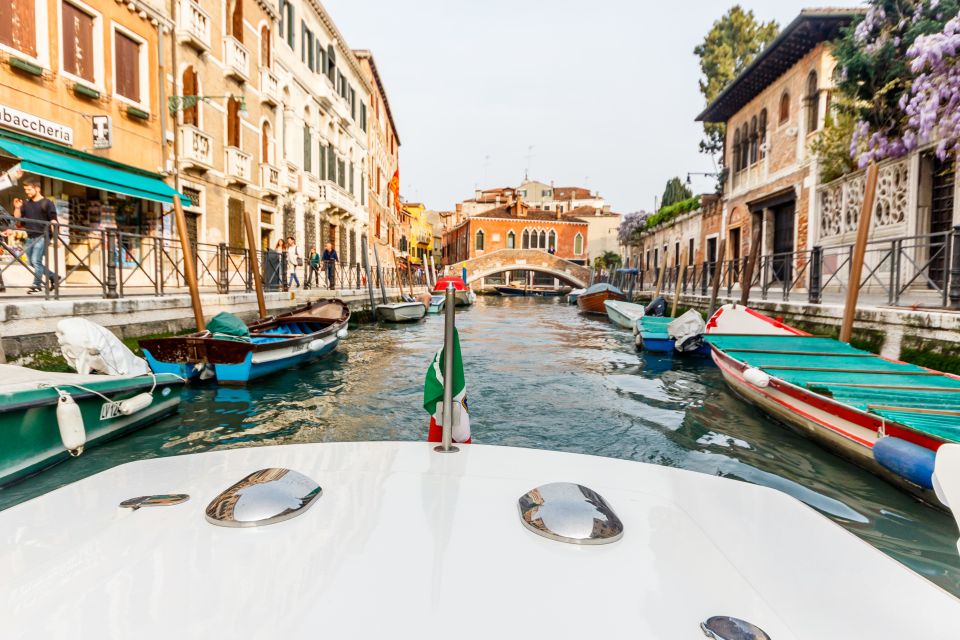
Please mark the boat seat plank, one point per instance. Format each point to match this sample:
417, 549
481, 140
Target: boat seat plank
945, 427
845, 362
777, 343
830, 376
866, 398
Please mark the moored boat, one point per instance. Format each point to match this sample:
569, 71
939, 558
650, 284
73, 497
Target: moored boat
436, 304
573, 295
624, 314
401, 311
887, 416
540, 292
269, 345
593, 297
463, 294
660, 334
48, 417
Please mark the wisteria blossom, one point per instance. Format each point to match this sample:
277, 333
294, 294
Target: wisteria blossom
630, 227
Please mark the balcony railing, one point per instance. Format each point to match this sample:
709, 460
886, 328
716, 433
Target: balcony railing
193, 25
269, 87
340, 198
291, 178
311, 186
196, 147
238, 165
840, 202
237, 58
270, 178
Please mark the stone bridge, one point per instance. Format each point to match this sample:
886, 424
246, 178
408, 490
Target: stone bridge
523, 260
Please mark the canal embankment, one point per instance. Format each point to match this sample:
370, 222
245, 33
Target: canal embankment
29, 326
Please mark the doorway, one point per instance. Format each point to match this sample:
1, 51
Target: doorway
941, 218
783, 221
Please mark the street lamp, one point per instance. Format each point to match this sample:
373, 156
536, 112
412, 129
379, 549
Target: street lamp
700, 173
181, 103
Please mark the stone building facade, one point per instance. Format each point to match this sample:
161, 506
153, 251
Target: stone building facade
773, 111
383, 162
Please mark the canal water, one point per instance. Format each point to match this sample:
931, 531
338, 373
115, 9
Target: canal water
540, 375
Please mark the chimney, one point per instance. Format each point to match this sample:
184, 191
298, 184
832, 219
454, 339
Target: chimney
521, 209
477, 193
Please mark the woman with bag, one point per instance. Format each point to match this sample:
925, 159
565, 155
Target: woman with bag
293, 261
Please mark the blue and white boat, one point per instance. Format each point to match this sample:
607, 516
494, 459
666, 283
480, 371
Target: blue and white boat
269, 345
654, 334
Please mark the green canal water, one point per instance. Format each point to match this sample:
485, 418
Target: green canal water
539, 375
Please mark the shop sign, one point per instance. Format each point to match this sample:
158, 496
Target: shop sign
102, 132
14, 119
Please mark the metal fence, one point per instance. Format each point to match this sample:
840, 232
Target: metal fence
114, 264
915, 271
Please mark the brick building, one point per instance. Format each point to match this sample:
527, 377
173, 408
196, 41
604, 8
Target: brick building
516, 226
773, 111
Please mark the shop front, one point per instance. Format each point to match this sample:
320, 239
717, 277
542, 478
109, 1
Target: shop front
100, 204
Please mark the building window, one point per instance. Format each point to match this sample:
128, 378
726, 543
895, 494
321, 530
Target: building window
763, 134
547, 193
525, 239
128, 58
511, 240
578, 246
784, 108
266, 148
353, 104
331, 63
331, 163
543, 240
18, 26
754, 140
736, 150
236, 21
265, 53
306, 147
813, 103
233, 123
363, 117
190, 86
287, 20
552, 240
351, 180
744, 146
690, 253
78, 52
479, 243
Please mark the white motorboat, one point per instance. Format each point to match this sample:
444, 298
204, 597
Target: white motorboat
573, 295
624, 314
401, 311
472, 541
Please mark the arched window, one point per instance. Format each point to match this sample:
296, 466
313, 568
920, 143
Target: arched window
265, 46
511, 240
578, 246
736, 150
479, 241
236, 20
266, 147
763, 133
754, 138
543, 240
191, 115
813, 103
233, 122
744, 146
525, 239
784, 108
552, 240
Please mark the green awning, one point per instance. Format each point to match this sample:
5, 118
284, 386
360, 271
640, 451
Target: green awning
89, 173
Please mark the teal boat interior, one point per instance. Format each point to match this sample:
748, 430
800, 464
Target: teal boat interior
654, 326
923, 400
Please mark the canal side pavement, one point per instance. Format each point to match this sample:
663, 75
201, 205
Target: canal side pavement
28, 326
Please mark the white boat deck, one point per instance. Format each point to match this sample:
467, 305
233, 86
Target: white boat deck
409, 543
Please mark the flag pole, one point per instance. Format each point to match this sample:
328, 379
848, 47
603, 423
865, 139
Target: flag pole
446, 441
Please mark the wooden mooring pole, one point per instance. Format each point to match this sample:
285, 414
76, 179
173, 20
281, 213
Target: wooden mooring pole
189, 266
859, 251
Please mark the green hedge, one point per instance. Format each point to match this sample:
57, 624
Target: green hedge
669, 213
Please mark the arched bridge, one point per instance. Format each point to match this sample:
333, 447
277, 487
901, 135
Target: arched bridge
523, 260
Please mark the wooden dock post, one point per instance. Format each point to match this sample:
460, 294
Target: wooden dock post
859, 251
254, 265
676, 290
746, 280
189, 266
715, 284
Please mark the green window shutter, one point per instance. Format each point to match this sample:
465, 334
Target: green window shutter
322, 161
306, 147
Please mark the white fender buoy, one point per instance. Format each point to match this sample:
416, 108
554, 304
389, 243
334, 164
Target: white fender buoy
756, 377
316, 345
136, 403
70, 422
342, 333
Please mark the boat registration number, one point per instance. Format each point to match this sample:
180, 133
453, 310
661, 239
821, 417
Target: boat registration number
109, 410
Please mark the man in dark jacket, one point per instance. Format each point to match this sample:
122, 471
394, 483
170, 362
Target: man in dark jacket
36, 213
330, 260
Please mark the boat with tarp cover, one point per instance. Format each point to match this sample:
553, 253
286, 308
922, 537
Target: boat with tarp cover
593, 297
239, 354
887, 416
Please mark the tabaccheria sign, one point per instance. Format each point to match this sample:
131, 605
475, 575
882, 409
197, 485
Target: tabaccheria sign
15, 119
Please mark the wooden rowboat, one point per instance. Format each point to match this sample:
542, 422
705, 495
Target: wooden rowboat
276, 343
886, 416
593, 297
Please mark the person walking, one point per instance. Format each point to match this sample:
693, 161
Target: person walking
36, 214
314, 275
293, 261
330, 260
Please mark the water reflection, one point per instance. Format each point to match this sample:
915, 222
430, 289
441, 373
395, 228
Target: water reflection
541, 375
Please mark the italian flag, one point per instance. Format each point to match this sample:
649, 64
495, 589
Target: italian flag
433, 396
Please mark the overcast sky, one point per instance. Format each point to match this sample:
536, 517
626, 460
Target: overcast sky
604, 92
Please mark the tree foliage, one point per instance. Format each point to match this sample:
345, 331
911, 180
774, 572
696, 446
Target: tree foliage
896, 69
609, 260
731, 44
675, 191
832, 145
631, 226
